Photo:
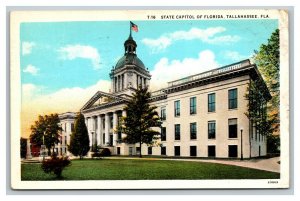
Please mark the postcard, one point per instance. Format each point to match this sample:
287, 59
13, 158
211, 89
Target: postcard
149, 99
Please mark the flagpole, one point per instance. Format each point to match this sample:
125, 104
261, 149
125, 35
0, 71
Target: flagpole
130, 28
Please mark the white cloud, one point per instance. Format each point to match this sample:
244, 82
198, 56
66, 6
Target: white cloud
63, 99
204, 35
71, 52
165, 70
224, 39
29, 91
157, 44
31, 69
27, 47
34, 102
235, 56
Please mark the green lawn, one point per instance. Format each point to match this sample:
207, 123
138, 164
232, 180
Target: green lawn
123, 169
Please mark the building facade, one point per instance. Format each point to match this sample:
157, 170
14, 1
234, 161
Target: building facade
203, 115
67, 121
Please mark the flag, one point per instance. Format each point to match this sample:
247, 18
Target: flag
134, 27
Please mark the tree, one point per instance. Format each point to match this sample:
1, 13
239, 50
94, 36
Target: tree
140, 119
80, 142
46, 131
23, 148
257, 110
268, 62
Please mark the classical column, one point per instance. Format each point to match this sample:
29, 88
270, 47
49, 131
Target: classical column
119, 83
125, 80
86, 122
95, 130
124, 115
28, 152
99, 126
106, 128
123, 86
88, 125
112, 84
115, 84
141, 80
115, 122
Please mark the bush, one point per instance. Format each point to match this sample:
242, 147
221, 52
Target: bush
105, 152
55, 165
96, 154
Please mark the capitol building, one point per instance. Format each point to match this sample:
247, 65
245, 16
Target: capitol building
202, 115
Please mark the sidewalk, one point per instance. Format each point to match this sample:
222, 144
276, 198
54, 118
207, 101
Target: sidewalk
269, 164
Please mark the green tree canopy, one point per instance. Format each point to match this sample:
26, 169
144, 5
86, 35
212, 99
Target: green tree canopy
140, 119
46, 130
268, 62
80, 142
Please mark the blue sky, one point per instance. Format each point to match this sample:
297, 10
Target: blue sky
63, 64
57, 55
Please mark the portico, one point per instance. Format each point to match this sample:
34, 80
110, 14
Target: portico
103, 128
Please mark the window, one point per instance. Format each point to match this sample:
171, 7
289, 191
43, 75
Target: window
149, 150
122, 81
137, 150
163, 114
232, 98
193, 130
72, 127
256, 131
211, 102
193, 105
103, 138
119, 135
232, 151
232, 128
103, 123
119, 128
193, 150
211, 151
96, 124
111, 122
176, 150
130, 151
163, 134
163, 151
65, 140
177, 108
177, 131
211, 129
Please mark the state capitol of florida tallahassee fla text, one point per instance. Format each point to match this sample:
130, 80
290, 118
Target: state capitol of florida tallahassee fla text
170, 17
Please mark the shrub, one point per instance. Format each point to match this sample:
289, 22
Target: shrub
96, 154
105, 152
56, 165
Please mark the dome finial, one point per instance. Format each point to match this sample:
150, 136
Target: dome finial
130, 45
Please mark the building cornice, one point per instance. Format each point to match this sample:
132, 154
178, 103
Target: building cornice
67, 115
224, 73
130, 67
103, 106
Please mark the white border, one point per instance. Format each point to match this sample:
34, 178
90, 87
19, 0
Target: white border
18, 17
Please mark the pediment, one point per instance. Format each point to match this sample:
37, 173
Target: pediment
101, 99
